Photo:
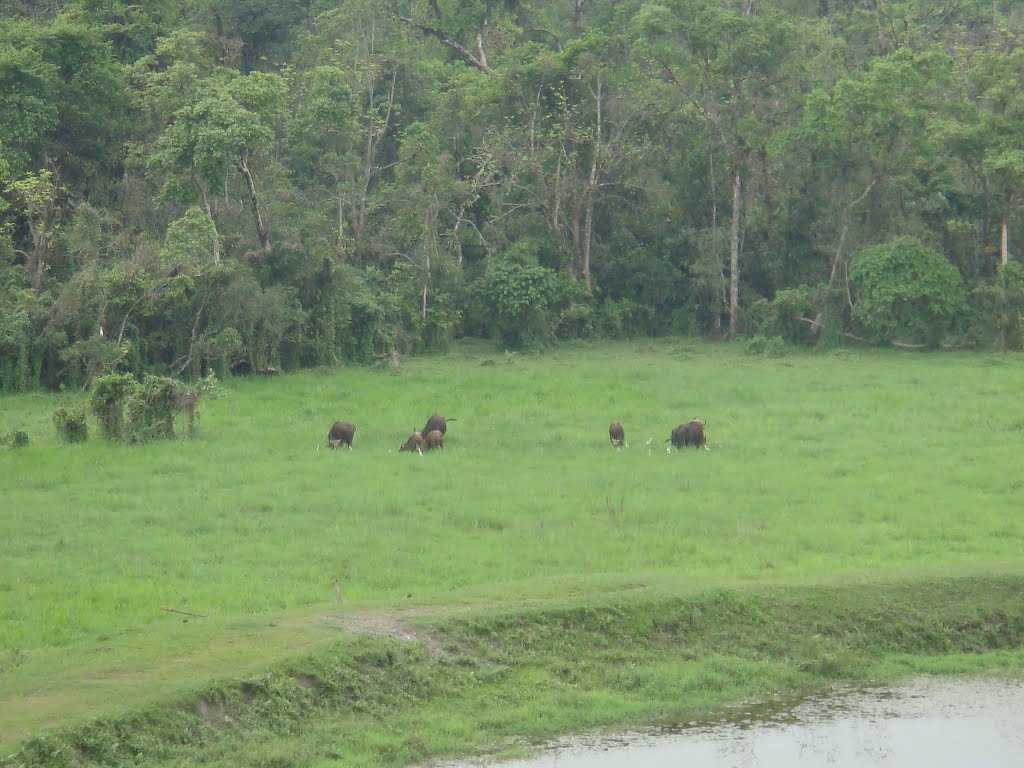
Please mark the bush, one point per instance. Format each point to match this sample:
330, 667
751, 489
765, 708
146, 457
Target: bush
71, 425
787, 311
576, 321
624, 318
152, 407
997, 310
767, 346
18, 439
520, 299
109, 395
906, 290
757, 316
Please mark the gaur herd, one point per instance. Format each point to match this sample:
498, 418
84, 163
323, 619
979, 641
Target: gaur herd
432, 435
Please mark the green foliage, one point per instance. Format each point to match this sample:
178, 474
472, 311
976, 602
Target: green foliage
151, 408
905, 290
184, 185
64, 95
94, 356
520, 299
997, 309
205, 141
110, 394
766, 346
17, 439
190, 241
71, 425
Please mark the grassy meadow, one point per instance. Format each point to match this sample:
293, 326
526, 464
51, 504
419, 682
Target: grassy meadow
824, 469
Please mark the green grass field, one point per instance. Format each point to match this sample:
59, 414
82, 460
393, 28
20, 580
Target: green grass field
825, 469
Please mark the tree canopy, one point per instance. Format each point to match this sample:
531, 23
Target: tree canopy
187, 185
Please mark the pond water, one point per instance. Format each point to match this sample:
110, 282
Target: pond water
928, 723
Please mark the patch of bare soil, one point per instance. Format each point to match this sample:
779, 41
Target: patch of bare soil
385, 624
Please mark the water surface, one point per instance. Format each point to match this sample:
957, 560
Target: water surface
928, 723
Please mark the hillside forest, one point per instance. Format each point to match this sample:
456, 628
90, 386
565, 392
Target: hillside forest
192, 185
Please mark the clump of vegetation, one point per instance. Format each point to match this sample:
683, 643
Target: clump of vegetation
109, 395
152, 407
71, 425
767, 346
140, 411
17, 439
208, 388
905, 290
997, 317
518, 299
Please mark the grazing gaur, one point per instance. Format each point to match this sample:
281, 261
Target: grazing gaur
414, 443
616, 434
691, 433
341, 432
433, 439
435, 422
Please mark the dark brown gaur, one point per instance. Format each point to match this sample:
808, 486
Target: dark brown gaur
342, 432
414, 443
691, 433
435, 422
616, 434
433, 439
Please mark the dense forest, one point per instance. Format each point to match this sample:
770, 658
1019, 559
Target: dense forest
186, 185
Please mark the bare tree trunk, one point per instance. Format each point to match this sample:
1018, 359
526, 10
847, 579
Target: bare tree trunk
261, 228
341, 211
429, 244
1004, 241
575, 225
216, 234
374, 134
35, 262
480, 53
734, 253
577, 16
716, 321
588, 227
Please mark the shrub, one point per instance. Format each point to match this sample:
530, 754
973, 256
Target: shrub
109, 395
787, 311
997, 310
71, 425
624, 318
18, 439
905, 289
520, 299
757, 316
576, 321
767, 346
152, 407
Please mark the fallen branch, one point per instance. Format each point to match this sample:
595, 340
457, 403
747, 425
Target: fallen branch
184, 613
